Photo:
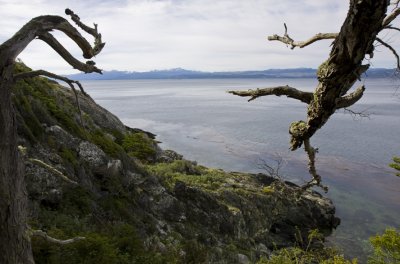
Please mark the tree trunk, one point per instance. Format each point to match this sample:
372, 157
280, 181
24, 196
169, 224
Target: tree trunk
15, 246
344, 66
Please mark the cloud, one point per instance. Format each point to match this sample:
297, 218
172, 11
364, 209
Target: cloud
204, 35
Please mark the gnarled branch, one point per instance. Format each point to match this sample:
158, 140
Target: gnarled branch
286, 39
350, 99
31, 74
39, 27
87, 67
53, 240
288, 91
98, 44
316, 178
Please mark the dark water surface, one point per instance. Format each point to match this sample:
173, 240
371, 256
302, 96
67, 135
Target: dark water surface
198, 119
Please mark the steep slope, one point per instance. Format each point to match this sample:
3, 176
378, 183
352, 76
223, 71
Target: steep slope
136, 203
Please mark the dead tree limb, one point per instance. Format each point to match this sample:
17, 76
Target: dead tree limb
53, 240
316, 178
15, 246
348, 100
286, 39
392, 16
53, 170
288, 91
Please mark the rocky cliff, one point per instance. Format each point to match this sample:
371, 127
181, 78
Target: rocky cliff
137, 203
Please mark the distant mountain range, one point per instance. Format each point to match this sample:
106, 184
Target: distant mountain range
179, 73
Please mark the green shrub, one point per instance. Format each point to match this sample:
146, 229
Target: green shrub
105, 143
140, 146
386, 247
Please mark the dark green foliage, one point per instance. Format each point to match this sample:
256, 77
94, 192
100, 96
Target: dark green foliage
119, 136
140, 146
105, 143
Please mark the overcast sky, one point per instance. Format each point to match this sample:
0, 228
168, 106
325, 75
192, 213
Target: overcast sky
206, 35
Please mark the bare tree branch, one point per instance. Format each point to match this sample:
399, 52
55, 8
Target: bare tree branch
272, 171
391, 27
87, 67
348, 100
36, 73
54, 170
391, 49
288, 91
392, 16
53, 240
286, 39
40, 26
316, 180
98, 44
31, 74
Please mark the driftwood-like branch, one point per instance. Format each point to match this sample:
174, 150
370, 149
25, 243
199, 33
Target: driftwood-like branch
53, 240
286, 39
87, 67
288, 91
392, 50
31, 74
40, 27
53, 170
350, 99
98, 44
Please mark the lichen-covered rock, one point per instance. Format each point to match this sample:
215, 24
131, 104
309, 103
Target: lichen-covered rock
91, 154
169, 156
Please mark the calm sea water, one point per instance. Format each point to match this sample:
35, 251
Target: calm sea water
198, 119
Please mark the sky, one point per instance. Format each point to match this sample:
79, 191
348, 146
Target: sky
204, 35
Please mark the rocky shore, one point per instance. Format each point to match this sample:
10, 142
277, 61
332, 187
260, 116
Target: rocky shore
137, 203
